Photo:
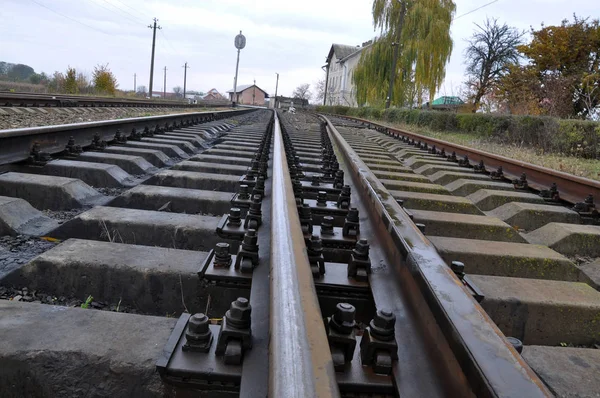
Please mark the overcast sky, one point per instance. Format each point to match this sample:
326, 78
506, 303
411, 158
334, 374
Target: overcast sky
288, 37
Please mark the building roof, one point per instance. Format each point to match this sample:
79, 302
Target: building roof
241, 88
341, 51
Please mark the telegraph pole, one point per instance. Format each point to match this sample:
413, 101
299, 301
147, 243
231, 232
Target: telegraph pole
165, 84
254, 93
152, 59
134, 84
185, 68
276, 85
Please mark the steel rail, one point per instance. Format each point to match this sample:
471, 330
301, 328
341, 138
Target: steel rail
491, 365
16, 144
572, 188
62, 100
300, 363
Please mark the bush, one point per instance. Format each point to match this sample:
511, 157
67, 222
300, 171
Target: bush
577, 137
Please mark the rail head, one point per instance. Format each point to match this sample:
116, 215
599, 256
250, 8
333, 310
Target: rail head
299, 355
494, 368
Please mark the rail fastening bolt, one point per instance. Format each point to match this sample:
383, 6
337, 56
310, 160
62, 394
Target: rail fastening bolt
343, 318
235, 216
239, 313
222, 255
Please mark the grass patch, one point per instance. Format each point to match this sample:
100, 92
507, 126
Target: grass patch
588, 168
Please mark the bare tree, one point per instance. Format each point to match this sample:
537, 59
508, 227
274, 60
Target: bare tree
142, 91
320, 94
302, 92
178, 91
83, 82
490, 51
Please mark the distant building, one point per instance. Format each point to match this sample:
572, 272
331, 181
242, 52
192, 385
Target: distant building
248, 94
213, 95
285, 102
167, 95
341, 62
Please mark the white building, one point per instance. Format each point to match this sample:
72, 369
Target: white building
339, 85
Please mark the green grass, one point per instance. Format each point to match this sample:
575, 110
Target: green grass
588, 168
87, 303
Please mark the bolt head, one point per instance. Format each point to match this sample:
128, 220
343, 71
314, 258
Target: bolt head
316, 243
235, 212
384, 319
240, 310
344, 314
457, 266
516, 343
222, 248
198, 323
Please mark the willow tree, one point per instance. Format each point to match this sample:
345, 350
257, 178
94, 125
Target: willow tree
419, 31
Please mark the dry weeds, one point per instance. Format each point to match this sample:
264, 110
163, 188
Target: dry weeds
588, 168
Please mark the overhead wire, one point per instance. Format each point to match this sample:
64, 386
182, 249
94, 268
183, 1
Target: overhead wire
476, 9
169, 43
124, 12
133, 9
68, 17
107, 9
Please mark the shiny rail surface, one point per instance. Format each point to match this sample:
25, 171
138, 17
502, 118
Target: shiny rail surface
300, 362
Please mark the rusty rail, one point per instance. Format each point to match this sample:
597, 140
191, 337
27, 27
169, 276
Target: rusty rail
16, 144
491, 366
69, 100
572, 188
300, 363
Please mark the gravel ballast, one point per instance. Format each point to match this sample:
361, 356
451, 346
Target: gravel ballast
16, 117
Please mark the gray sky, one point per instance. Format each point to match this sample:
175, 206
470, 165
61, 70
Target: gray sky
289, 37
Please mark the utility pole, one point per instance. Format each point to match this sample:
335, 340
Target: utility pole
396, 45
185, 68
276, 85
254, 93
165, 84
152, 58
134, 84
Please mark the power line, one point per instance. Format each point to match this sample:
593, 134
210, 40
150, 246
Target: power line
133, 9
72, 19
107, 9
169, 43
478, 8
135, 19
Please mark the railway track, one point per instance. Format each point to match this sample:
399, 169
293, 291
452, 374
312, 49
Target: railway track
8, 99
245, 254
526, 250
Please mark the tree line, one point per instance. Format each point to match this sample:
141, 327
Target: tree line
102, 80
553, 70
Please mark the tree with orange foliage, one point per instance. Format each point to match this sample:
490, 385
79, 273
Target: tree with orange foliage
563, 75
